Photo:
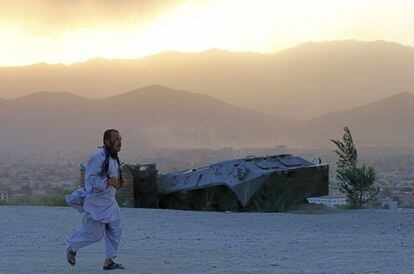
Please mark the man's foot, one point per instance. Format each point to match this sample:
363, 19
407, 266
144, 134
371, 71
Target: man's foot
70, 256
111, 265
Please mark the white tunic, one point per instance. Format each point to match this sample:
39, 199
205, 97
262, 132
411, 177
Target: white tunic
97, 198
100, 200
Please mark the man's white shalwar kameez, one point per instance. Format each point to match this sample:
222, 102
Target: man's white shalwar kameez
102, 216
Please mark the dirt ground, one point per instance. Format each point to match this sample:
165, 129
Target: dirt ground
32, 240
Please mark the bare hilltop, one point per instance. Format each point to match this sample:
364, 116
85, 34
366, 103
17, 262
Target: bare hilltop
168, 241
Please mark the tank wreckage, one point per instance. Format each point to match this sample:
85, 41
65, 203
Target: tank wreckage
270, 183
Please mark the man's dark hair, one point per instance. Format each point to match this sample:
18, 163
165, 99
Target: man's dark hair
108, 134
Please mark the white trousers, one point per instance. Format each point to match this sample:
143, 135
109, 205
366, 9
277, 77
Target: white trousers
93, 231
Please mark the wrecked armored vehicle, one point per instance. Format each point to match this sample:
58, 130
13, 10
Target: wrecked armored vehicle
269, 183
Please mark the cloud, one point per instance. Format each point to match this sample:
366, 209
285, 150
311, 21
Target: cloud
48, 17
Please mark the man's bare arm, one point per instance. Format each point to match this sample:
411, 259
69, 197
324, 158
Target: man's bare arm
114, 182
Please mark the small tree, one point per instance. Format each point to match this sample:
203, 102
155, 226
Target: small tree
358, 183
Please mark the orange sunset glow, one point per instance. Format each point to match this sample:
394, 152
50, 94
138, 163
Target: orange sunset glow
71, 31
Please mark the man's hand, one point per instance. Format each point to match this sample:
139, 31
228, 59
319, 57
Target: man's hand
114, 182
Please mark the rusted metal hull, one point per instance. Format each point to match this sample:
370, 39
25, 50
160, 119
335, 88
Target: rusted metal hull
274, 192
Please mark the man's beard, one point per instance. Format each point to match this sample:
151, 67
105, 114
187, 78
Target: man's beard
111, 151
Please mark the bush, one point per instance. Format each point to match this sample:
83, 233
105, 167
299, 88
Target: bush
358, 183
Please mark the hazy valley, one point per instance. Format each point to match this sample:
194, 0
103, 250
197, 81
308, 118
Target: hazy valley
226, 105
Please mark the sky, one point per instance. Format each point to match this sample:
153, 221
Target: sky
68, 31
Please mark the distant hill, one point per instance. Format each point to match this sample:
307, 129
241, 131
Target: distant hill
157, 116
389, 121
151, 116
302, 82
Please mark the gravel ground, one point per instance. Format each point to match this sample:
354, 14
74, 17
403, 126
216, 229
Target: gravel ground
32, 240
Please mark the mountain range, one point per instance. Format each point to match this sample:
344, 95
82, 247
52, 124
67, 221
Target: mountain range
302, 82
388, 121
157, 116
151, 116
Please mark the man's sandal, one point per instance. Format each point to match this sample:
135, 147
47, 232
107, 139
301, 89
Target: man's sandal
113, 266
70, 256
